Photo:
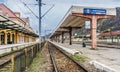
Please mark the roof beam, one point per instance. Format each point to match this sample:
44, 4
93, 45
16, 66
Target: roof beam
71, 27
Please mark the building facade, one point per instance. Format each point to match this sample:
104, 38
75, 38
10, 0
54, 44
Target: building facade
13, 28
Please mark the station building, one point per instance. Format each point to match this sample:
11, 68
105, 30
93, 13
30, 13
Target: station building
13, 28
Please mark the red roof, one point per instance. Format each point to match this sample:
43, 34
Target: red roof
25, 19
17, 12
6, 10
110, 33
11, 14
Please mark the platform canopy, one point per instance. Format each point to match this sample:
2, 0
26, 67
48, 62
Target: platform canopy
72, 20
6, 23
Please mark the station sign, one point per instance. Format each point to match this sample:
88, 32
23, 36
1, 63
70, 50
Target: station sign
87, 24
94, 11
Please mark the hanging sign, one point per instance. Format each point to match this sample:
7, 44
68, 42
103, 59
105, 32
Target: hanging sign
94, 11
87, 24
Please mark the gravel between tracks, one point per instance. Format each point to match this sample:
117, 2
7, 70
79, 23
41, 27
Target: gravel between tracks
64, 64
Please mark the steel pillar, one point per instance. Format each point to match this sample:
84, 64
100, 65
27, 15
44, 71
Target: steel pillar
70, 35
62, 37
93, 19
55, 38
93, 31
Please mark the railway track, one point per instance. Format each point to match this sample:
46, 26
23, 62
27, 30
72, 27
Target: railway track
63, 62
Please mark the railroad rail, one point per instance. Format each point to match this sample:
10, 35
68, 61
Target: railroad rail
52, 59
65, 57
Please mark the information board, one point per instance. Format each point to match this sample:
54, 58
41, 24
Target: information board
94, 11
87, 24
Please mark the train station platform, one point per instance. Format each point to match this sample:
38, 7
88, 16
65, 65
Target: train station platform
106, 56
10, 47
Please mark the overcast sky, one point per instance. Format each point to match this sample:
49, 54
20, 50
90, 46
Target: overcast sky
54, 16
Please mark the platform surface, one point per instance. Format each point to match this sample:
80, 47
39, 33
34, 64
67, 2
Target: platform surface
7, 48
107, 56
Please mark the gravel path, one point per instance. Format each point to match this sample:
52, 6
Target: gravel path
42, 62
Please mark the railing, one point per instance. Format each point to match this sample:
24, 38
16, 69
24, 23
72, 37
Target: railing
21, 59
13, 47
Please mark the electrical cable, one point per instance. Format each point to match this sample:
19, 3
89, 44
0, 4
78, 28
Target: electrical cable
29, 9
47, 11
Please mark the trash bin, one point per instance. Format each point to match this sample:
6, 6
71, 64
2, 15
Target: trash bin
83, 44
10, 42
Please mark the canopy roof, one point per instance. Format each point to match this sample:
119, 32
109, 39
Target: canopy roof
6, 23
71, 20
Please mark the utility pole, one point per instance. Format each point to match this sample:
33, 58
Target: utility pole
39, 1
41, 16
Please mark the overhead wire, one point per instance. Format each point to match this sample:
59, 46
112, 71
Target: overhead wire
33, 12
29, 9
16, 5
22, 11
19, 7
47, 11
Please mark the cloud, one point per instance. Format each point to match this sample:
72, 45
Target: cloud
54, 16
17, 6
116, 0
2, 1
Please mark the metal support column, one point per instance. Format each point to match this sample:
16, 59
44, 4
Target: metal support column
93, 31
70, 35
39, 21
62, 37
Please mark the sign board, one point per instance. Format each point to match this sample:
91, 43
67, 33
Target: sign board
87, 24
94, 11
